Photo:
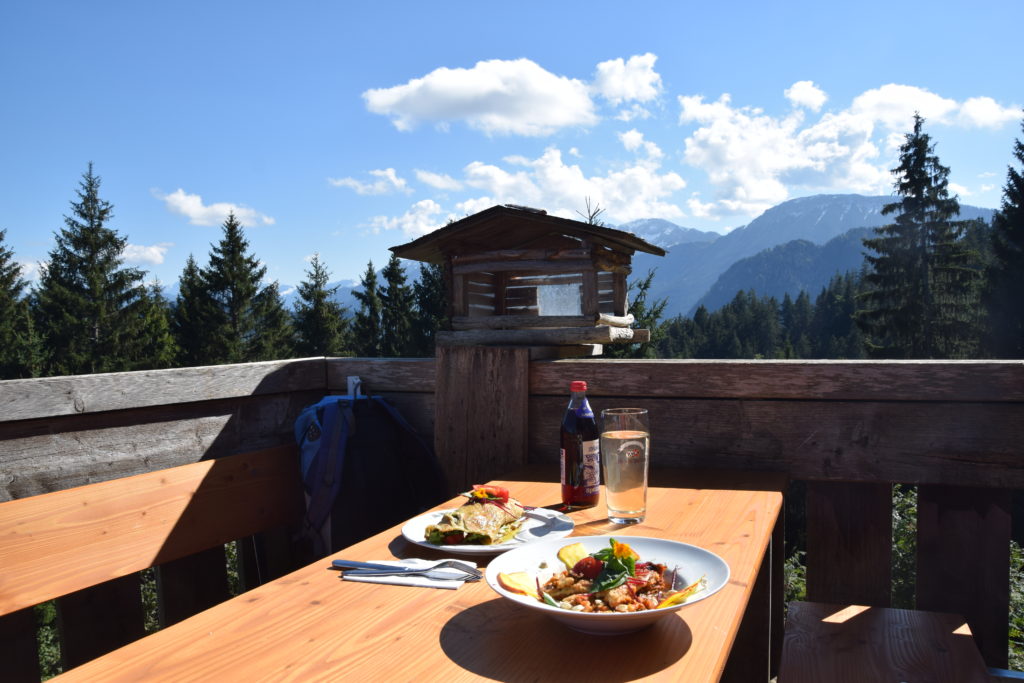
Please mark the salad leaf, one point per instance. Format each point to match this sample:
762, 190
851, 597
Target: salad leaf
619, 564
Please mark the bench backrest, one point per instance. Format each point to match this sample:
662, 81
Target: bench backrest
62, 543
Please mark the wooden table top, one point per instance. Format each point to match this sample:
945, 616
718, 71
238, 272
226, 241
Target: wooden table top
309, 625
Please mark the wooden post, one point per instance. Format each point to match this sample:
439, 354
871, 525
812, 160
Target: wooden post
963, 561
480, 413
849, 543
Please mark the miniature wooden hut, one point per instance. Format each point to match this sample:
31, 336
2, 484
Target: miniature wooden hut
516, 275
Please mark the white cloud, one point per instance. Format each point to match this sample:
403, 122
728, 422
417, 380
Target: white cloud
806, 94
634, 112
422, 217
30, 270
753, 160
138, 253
498, 97
984, 112
635, 79
439, 181
958, 189
633, 140
192, 207
386, 183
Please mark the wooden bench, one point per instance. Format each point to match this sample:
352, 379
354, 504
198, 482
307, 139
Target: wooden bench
86, 545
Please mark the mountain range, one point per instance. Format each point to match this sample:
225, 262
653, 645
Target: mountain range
797, 245
689, 274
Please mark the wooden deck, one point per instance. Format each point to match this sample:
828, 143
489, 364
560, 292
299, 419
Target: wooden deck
848, 429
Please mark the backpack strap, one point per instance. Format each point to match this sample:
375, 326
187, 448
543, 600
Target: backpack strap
322, 431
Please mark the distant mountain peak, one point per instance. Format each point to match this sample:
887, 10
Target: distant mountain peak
666, 234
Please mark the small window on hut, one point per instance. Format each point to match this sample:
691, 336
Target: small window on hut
559, 300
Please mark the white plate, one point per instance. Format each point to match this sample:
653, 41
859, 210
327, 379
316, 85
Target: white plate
541, 523
541, 560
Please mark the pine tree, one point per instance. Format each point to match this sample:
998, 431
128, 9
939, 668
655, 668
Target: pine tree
396, 315
275, 336
87, 305
918, 298
320, 321
430, 313
18, 345
1004, 293
244, 322
159, 349
366, 325
190, 318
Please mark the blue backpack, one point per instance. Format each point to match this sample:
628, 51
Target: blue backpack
364, 466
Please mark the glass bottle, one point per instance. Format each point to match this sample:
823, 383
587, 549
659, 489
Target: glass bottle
580, 452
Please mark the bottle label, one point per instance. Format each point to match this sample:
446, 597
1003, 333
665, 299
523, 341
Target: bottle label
592, 465
584, 410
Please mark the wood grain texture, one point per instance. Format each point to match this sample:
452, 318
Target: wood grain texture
975, 444
51, 396
46, 455
800, 380
480, 412
311, 626
382, 375
598, 334
963, 561
57, 543
847, 644
849, 543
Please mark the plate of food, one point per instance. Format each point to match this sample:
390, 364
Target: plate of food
606, 585
490, 522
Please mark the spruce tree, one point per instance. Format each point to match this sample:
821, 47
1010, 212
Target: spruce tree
275, 336
430, 295
190, 317
87, 304
320, 321
1004, 292
919, 289
18, 345
366, 325
159, 349
396, 314
244, 322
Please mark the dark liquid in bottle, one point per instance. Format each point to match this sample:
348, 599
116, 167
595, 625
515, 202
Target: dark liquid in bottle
580, 460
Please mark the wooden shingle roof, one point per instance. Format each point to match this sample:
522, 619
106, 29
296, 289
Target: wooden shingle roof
516, 227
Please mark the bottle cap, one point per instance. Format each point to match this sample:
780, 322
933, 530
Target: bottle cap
578, 385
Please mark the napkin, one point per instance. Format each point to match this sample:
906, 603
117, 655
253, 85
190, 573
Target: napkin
415, 562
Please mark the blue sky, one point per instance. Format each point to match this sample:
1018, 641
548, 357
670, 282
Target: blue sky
345, 128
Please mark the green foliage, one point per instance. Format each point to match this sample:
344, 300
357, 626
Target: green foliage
366, 326
904, 545
430, 312
158, 348
1016, 607
243, 321
646, 316
396, 298
191, 310
1002, 297
20, 349
320, 322
88, 307
920, 299
48, 640
795, 577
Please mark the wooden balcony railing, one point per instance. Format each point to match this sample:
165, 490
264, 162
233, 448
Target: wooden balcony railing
848, 429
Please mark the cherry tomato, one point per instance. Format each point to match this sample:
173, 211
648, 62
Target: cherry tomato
453, 539
589, 567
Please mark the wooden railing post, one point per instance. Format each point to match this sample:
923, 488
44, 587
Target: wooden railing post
480, 414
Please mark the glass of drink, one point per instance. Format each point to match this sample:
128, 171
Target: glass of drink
625, 448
